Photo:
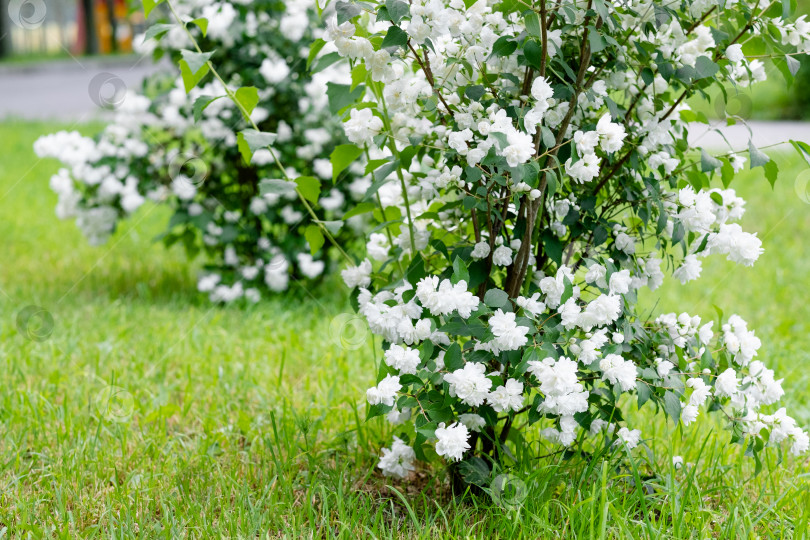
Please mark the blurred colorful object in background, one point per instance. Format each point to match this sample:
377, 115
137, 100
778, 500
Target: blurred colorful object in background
31, 28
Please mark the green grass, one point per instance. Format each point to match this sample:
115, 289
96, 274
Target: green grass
247, 422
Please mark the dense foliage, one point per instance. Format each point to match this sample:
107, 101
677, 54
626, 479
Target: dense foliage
182, 149
533, 167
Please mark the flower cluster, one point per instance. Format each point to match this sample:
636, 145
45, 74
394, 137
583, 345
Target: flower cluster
182, 149
531, 177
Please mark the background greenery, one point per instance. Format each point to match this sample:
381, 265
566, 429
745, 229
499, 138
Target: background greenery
249, 421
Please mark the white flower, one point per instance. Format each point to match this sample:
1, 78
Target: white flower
625, 243
362, 126
630, 438
207, 283
396, 417
358, 276
689, 414
611, 135
726, 384
309, 266
469, 384
734, 53
452, 441
689, 270
663, 367
473, 422
531, 305
377, 246
564, 395
520, 149
274, 71
620, 282
741, 247
596, 274
445, 297
502, 256
508, 335
403, 359
385, 392
398, 460
602, 310
566, 435
507, 397
541, 90
617, 370
480, 251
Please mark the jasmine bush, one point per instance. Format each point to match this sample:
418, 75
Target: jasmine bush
531, 173
178, 145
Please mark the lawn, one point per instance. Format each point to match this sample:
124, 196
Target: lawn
144, 411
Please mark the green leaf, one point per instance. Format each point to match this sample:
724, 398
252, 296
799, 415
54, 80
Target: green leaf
672, 405
314, 238
309, 187
333, 226
342, 156
704, 67
793, 65
533, 26
395, 37
803, 149
596, 41
787, 9
202, 24
149, 5
771, 172
359, 74
758, 159
156, 31
314, 49
342, 95
200, 104
475, 471
361, 208
193, 67
460, 271
568, 291
377, 410
195, 60
533, 53
374, 164
644, 393
250, 140
276, 187
475, 92
397, 10
504, 46
248, 97
191, 79
346, 11
325, 61
452, 358
677, 232
496, 298
708, 163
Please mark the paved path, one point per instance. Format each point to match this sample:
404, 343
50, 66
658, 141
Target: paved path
764, 134
69, 90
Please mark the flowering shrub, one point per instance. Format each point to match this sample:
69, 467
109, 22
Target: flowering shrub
532, 174
183, 149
